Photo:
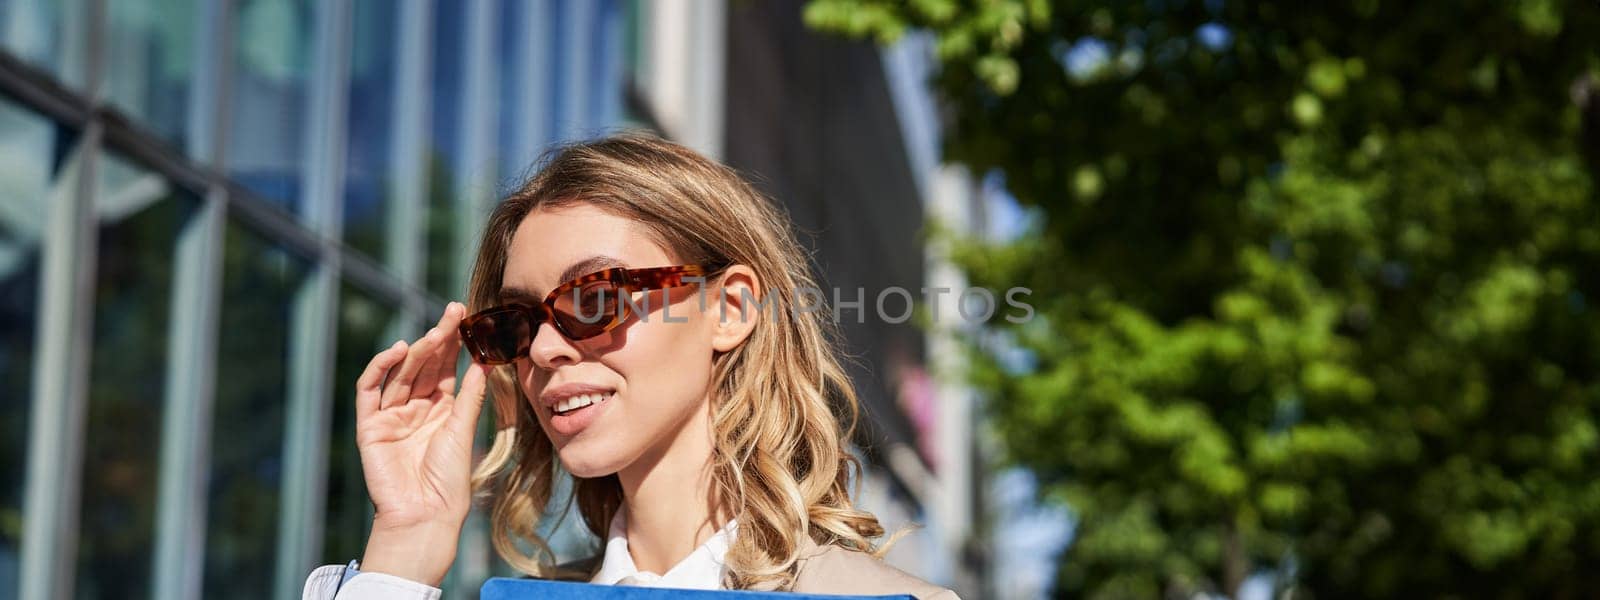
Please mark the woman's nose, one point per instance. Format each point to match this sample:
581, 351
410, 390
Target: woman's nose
549, 349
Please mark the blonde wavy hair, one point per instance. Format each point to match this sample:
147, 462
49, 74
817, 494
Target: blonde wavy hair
783, 407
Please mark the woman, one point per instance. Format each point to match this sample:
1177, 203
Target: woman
631, 318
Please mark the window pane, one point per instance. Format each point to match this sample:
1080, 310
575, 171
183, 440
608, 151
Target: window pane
515, 152
46, 33
139, 216
273, 47
363, 321
372, 109
149, 57
258, 286
441, 235
608, 69
449, 78
28, 178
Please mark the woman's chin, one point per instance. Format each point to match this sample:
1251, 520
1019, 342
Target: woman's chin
587, 465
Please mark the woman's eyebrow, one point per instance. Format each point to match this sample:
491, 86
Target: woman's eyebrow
516, 294
583, 267
590, 265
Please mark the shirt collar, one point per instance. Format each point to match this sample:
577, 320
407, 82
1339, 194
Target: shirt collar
700, 570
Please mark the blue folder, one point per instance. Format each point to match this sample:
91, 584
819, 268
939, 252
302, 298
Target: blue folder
501, 588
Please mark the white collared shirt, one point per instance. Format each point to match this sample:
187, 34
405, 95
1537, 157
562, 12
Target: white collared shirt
701, 570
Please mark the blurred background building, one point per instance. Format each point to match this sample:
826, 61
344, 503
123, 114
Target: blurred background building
212, 213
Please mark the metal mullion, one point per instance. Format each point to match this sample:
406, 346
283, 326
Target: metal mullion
271, 220
530, 123
579, 23
477, 173
305, 446
409, 175
313, 318
476, 167
182, 503
134, 142
80, 45
610, 64
54, 484
208, 93
190, 389
366, 274
60, 382
42, 92
268, 219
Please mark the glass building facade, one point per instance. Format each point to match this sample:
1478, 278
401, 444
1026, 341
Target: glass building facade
212, 214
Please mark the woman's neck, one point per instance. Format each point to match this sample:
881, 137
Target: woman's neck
668, 494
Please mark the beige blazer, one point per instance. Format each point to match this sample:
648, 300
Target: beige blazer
835, 570
822, 570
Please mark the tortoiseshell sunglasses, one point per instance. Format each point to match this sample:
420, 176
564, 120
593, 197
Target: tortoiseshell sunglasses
579, 309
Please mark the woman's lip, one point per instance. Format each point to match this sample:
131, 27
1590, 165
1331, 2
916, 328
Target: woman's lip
575, 421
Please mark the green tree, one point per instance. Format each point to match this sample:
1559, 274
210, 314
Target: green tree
1316, 283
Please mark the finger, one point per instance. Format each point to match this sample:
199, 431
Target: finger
470, 401
450, 347
427, 379
428, 373
369, 386
441, 362
400, 384
449, 358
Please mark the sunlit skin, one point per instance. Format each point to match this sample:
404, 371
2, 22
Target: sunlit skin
654, 432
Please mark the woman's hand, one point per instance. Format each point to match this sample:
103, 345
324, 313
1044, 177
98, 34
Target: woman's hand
414, 431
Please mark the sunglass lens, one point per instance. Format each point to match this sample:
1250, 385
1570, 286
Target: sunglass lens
500, 336
588, 310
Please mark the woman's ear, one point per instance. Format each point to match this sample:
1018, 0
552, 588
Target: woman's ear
736, 308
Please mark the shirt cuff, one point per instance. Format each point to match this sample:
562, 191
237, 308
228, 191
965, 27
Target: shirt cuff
325, 584
377, 586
